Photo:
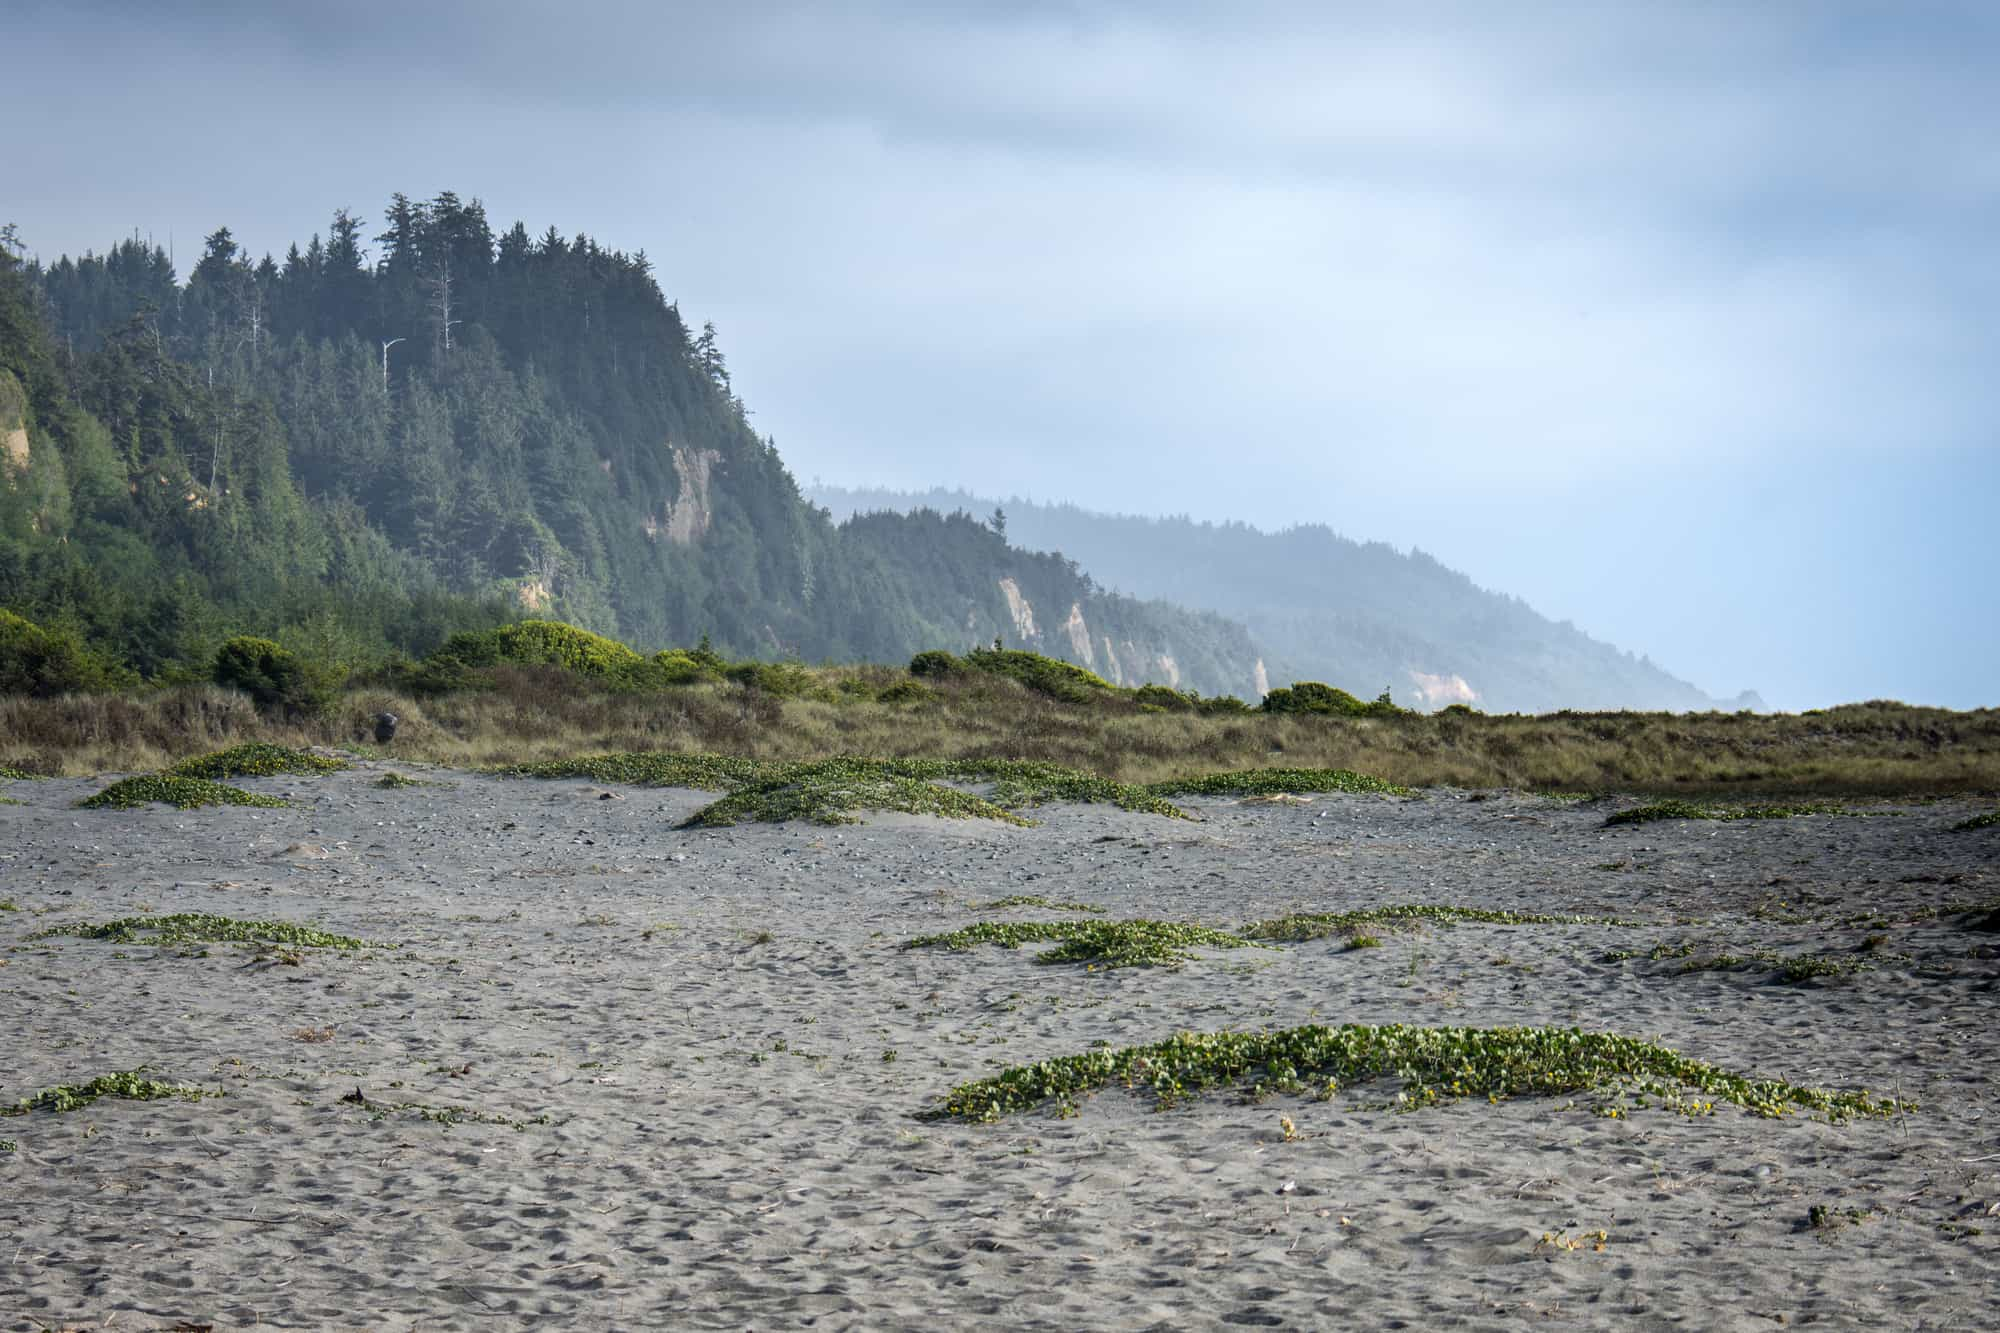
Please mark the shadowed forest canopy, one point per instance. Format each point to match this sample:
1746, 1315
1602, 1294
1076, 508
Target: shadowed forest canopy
386, 436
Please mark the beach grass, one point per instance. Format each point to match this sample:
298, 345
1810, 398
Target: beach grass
1277, 781
536, 715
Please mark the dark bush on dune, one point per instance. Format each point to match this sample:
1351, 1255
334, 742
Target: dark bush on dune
466, 660
274, 678
47, 662
1044, 675
936, 662
540, 643
784, 680
679, 666
1311, 696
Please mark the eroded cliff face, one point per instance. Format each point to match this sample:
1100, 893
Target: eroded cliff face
685, 521
1438, 691
1020, 610
1122, 659
15, 454
535, 594
1078, 633
1112, 672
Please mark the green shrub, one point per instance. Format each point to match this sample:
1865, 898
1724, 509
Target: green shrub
907, 692
1312, 696
1168, 700
936, 662
541, 643
704, 653
44, 662
675, 666
782, 680
1223, 703
435, 676
1044, 675
275, 679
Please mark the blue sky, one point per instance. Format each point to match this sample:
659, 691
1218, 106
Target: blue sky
1675, 319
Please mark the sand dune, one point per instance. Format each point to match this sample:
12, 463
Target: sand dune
688, 1070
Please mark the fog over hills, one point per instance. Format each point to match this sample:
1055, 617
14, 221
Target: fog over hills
1363, 616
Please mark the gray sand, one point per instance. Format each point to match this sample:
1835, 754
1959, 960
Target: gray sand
728, 1142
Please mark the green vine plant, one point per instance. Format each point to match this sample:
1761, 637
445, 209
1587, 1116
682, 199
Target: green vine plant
184, 928
1432, 1066
256, 759
1096, 944
1303, 926
130, 1084
181, 793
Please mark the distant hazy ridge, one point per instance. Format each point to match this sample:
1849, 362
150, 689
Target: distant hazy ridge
1363, 616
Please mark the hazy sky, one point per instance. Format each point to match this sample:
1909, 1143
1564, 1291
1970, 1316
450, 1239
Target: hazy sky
1680, 320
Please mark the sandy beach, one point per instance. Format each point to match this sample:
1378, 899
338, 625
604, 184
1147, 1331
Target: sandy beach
615, 1074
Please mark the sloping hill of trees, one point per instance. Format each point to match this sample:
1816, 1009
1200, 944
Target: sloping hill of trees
375, 441
1323, 607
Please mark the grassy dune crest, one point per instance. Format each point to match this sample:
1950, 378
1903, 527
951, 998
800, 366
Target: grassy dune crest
524, 713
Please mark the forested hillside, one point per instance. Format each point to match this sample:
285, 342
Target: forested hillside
376, 440
1323, 607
